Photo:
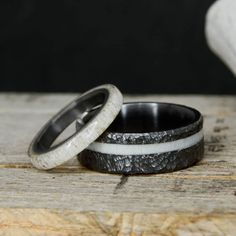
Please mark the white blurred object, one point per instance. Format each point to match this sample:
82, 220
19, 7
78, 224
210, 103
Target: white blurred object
221, 31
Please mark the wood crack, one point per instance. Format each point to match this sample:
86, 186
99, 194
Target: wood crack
120, 185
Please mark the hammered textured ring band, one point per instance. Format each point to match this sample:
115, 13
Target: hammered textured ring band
148, 137
94, 110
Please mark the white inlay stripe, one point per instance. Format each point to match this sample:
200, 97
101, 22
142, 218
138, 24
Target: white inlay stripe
145, 149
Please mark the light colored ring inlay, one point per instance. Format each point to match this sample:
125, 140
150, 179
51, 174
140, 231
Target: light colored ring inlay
145, 149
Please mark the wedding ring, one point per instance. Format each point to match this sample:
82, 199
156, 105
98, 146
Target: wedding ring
94, 110
148, 137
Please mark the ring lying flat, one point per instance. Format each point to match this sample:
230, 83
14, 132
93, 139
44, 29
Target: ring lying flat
148, 138
95, 110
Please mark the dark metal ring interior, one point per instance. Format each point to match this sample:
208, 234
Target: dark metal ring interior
144, 117
83, 109
151, 122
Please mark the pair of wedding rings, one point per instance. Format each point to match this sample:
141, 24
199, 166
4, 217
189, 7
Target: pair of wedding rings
129, 138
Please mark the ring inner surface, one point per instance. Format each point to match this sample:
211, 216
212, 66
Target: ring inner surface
83, 110
152, 117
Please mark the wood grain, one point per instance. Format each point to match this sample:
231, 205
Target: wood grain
57, 222
71, 200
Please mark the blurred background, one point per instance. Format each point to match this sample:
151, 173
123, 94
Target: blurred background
142, 46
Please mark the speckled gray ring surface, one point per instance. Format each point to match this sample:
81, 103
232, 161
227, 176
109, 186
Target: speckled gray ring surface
94, 110
148, 138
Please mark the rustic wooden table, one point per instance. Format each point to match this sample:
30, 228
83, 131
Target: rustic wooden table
72, 200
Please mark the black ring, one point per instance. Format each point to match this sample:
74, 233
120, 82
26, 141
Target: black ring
160, 125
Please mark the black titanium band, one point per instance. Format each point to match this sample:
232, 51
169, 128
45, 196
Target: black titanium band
148, 138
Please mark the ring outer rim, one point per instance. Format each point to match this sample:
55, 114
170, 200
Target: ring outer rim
82, 139
101, 162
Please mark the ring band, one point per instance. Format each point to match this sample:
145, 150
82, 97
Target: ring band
148, 138
95, 110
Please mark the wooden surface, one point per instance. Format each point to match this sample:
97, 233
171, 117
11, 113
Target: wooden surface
71, 200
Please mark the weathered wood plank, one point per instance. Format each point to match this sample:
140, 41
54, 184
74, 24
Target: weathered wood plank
190, 191
71, 200
57, 222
